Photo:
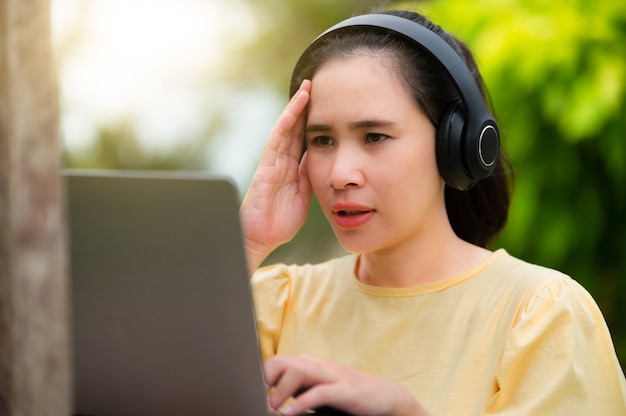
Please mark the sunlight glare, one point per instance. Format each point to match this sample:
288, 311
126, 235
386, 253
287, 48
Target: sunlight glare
147, 62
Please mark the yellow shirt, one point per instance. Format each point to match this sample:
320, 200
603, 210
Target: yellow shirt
504, 338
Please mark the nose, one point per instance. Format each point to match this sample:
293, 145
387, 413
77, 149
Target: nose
346, 170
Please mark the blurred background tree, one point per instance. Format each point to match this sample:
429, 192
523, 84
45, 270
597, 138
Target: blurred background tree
556, 72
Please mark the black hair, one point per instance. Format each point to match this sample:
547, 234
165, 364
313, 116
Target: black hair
478, 214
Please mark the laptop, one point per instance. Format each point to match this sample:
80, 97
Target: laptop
163, 322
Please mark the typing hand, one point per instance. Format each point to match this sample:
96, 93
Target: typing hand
313, 382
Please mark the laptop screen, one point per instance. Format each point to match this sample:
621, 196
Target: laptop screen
162, 313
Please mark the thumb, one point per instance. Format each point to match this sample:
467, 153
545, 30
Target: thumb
304, 183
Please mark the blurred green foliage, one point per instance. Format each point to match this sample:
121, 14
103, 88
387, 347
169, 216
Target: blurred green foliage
556, 71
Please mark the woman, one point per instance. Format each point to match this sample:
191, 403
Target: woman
421, 318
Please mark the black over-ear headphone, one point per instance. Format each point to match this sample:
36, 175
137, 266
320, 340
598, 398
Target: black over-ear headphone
468, 139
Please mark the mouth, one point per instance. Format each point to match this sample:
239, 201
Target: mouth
348, 213
351, 215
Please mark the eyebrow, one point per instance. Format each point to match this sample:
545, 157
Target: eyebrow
352, 126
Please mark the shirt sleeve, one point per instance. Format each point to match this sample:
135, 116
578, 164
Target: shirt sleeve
271, 288
559, 358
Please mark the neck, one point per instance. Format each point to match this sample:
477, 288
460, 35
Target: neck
420, 261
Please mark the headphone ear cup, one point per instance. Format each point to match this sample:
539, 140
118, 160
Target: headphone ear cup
449, 149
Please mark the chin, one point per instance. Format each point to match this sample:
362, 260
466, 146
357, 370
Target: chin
354, 242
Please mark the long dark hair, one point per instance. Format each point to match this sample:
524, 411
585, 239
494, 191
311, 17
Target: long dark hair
478, 214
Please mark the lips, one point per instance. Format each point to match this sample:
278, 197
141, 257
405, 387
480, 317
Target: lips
351, 215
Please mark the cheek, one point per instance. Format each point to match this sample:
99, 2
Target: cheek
416, 170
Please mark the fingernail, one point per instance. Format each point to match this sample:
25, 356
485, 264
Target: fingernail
287, 411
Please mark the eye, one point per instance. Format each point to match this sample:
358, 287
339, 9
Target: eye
374, 138
321, 141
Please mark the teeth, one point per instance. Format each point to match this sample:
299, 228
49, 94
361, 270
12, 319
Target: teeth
350, 212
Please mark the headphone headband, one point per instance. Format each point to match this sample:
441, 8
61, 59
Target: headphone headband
479, 126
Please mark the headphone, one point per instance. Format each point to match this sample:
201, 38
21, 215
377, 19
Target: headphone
468, 139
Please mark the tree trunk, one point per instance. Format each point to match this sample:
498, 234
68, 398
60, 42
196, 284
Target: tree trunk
34, 336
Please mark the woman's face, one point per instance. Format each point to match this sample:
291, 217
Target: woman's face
371, 157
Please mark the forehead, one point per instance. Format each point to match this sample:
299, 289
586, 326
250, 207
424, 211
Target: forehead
369, 60
358, 81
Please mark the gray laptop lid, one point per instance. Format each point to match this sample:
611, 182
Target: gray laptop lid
162, 314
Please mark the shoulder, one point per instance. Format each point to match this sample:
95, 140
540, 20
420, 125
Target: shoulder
534, 294
558, 348
528, 280
283, 274
513, 268
546, 299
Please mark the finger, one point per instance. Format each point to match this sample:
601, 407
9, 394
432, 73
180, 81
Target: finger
320, 395
290, 376
290, 124
284, 143
275, 372
296, 143
304, 182
273, 369
292, 111
285, 386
